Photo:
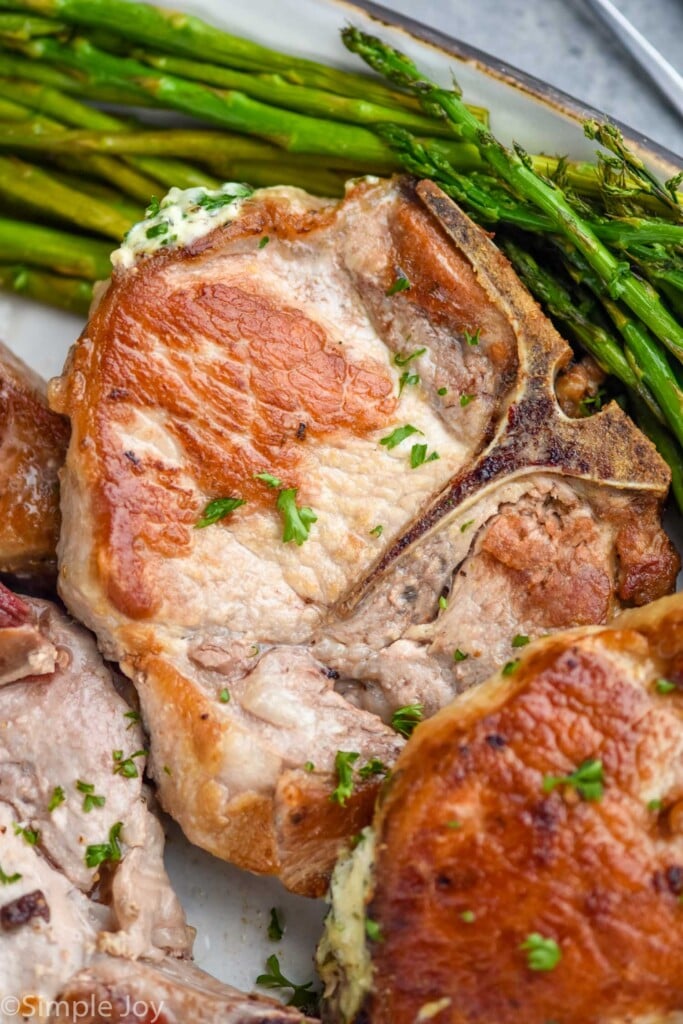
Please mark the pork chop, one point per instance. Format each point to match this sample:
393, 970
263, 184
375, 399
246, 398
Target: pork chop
318, 472
526, 863
87, 914
33, 443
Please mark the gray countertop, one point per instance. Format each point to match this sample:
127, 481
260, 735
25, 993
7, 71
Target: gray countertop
559, 41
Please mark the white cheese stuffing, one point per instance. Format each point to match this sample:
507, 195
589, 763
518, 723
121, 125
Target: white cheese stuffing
182, 216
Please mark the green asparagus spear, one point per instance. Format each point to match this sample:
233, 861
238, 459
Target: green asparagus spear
514, 168
296, 133
29, 184
188, 36
69, 254
69, 293
21, 26
15, 66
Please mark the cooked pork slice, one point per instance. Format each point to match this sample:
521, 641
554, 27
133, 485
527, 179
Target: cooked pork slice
171, 992
33, 443
316, 453
526, 859
87, 914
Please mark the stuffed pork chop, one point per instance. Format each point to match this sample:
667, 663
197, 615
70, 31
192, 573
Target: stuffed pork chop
318, 472
88, 918
526, 860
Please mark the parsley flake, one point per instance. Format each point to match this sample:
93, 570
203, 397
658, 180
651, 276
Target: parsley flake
377, 531
373, 767
90, 798
459, 655
31, 835
655, 805
6, 879
156, 230
472, 339
224, 696
302, 996
58, 797
407, 379
466, 526
542, 954
400, 434
402, 360
134, 717
275, 927
309, 766
227, 195
264, 242
465, 400
442, 391
218, 509
126, 766
664, 686
343, 763
297, 519
520, 640
587, 780
153, 208
468, 916
401, 284
418, 456
406, 718
100, 853
373, 930
268, 478
510, 667
455, 824
443, 603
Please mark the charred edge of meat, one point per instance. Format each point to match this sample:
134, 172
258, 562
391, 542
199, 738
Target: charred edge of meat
22, 910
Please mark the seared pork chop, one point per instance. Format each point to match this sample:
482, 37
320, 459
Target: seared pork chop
87, 913
526, 861
32, 447
354, 401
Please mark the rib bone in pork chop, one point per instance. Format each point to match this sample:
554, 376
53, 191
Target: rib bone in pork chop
88, 920
376, 363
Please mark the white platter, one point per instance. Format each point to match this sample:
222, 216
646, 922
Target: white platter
229, 908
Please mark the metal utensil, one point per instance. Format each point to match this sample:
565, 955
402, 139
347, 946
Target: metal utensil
663, 74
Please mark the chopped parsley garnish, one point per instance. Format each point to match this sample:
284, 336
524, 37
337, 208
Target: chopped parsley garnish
343, 763
459, 655
398, 435
156, 230
587, 780
302, 996
373, 930
268, 478
58, 797
443, 603
655, 805
377, 531
401, 284
465, 400
297, 519
510, 667
264, 242
224, 696
592, 402
228, 195
520, 640
401, 360
218, 509
167, 770
442, 391
542, 954
407, 380
6, 879
665, 686
455, 824
466, 526
472, 339
134, 717
418, 455
100, 853
275, 927
153, 208
309, 766
126, 766
31, 835
468, 916
406, 718
373, 767
90, 798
